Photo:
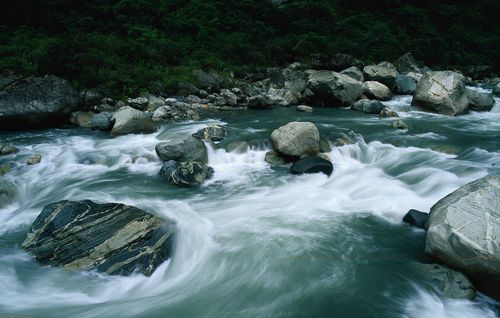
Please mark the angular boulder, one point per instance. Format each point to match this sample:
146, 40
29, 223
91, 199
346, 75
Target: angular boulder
312, 165
101, 122
407, 63
481, 102
187, 149
185, 174
354, 72
463, 231
37, 101
405, 85
211, 132
384, 74
113, 238
128, 120
296, 139
416, 218
368, 106
334, 89
377, 90
442, 92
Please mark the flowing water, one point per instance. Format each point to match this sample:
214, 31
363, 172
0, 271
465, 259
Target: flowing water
255, 241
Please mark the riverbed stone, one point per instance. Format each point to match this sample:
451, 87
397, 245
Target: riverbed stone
368, 106
128, 120
304, 109
212, 133
399, 124
333, 89
8, 150
463, 231
496, 90
34, 159
388, 112
442, 92
82, 119
101, 122
113, 238
449, 283
273, 158
187, 149
354, 72
384, 74
186, 174
407, 63
312, 165
405, 85
296, 139
480, 101
377, 90
416, 218
7, 192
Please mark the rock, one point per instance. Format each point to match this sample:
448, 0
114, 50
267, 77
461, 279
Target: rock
416, 218
7, 150
387, 112
82, 119
354, 73
496, 90
312, 165
273, 158
34, 159
113, 238
449, 283
155, 102
407, 63
336, 62
482, 102
414, 76
377, 90
442, 92
368, 106
399, 124
37, 101
229, 97
187, 149
4, 169
304, 109
259, 102
334, 89
384, 74
324, 145
101, 122
7, 192
128, 120
140, 103
286, 86
212, 133
463, 230
405, 85
185, 174
296, 139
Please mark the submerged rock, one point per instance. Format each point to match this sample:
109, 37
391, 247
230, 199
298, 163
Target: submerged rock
34, 159
304, 109
185, 174
388, 112
212, 133
399, 124
4, 169
132, 121
479, 101
368, 106
449, 283
334, 89
416, 218
7, 150
312, 165
273, 158
296, 139
7, 192
442, 92
463, 231
113, 238
187, 149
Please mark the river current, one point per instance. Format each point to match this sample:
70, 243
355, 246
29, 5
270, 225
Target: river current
255, 241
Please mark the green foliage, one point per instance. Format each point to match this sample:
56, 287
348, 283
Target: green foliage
133, 46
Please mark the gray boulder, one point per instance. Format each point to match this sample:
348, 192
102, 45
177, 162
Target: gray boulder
482, 102
259, 102
447, 282
37, 101
496, 90
463, 231
312, 165
113, 238
286, 86
101, 122
368, 106
334, 89
407, 63
211, 133
7, 192
187, 149
296, 139
155, 102
128, 120
377, 90
185, 174
354, 73
442, 92
140, 103
405, 85
82, 119
384, 74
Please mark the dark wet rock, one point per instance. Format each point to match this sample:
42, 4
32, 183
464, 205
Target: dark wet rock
405, 85
388, 112
399, 124
442, 92
407, 63
479, 101
333, 89
187, 149
354, 73
312, 165
101, 122
377, 90
463, 230
212, 133
128, 120
324, 145
7, 192
296, 139
384, 74
186, 174
37, 101
140, 103
496, 90
259, 102
416, 218
82, 119
304, 109
447, 282
273, 158
34, 159
7, 150
113, 238
4, 169
368, 106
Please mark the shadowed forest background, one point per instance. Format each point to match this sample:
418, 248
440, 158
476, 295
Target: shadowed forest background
139, 45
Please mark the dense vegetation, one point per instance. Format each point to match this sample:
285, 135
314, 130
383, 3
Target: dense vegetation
134, 45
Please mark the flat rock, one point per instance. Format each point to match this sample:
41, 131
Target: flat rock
368, 106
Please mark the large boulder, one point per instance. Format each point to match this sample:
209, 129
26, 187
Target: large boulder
259, 102
37, 101
368, 106
463, 231
479, 101
286, 86
296, 139
407, 63
101, 122
187, 149
377, 90
334, 89
113, 238
405, 85
354, 72
312, 165
185, 174
442, 92
128, 120
384, 74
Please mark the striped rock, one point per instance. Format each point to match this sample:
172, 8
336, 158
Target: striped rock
113, 238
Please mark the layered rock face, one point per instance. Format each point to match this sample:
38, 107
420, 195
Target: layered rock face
113, 238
